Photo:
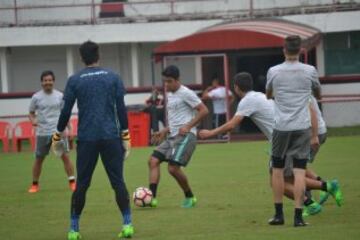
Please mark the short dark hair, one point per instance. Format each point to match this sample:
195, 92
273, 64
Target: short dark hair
292, 44
89, 52
171, 71
244, 81
47, 73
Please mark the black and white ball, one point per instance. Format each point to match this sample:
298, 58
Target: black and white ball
142, 197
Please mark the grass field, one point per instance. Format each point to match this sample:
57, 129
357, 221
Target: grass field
230, 181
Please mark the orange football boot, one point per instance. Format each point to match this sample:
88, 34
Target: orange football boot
34, 188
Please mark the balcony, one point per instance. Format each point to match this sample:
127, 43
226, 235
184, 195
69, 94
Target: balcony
67, 12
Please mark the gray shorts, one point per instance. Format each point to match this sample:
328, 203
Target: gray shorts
291, 143
43, 145
176, 150
288, 170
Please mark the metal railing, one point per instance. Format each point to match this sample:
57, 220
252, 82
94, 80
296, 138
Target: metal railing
20, 14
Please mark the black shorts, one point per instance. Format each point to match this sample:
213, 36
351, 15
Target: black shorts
112, 156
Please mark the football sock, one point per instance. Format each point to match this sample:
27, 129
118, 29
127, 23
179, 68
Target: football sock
298, 213
188, 194
126, 215
123, 202
308, 194
153, 188
71, 179
74, 222
308, 201
35, 182
324, 186
279, 210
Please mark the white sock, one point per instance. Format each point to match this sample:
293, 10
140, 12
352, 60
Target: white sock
71, 178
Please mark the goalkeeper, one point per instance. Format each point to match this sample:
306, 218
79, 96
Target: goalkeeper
102, 120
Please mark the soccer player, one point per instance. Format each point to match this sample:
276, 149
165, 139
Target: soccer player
45, 107
178, 140
291, 84
253, 104
217, 94
256, 106
102, 121
313, 180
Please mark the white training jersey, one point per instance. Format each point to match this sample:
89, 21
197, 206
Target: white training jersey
47, 108
260, 109
321, 123
181, 109
218, 96
292, 84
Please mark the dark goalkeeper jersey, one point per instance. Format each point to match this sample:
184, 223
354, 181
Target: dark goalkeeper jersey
100, 98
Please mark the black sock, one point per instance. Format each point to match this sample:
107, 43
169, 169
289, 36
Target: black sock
153, 188
308, 201
298, 213
318, 178
324, 186
189, 194
279, 210
35, 182
308, 194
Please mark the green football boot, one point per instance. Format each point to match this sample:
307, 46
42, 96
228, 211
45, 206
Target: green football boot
189, 202
72, 235
154, 203
323, 197
312, 209
334, 190
127, 231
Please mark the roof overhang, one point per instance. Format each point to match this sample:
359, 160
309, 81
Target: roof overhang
250, 34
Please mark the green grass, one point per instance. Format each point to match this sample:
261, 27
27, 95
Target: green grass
344, 131
230, 181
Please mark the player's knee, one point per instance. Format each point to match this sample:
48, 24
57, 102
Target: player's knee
300, 163
173, 169
278, 162
153, 162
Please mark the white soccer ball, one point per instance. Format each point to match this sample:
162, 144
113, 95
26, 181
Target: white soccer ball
142, 197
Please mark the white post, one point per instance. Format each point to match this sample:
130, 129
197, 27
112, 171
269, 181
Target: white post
320, 59
134, 64
4, 71
198, 70
70, 65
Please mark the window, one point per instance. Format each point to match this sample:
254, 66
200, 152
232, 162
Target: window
342, 51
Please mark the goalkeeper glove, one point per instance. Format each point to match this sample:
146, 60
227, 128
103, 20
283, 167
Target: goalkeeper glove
126, 142
57, 144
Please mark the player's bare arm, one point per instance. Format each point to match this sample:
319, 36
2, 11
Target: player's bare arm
159, 136
202, 111
33, 119
230, 125
205, 94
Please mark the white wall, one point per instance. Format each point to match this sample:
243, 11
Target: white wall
27, 63
145, 51
341, 114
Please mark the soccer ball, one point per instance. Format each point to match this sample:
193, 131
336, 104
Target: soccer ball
142, 197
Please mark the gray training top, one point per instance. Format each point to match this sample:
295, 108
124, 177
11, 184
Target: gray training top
47, 107
181, 109
292, 84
